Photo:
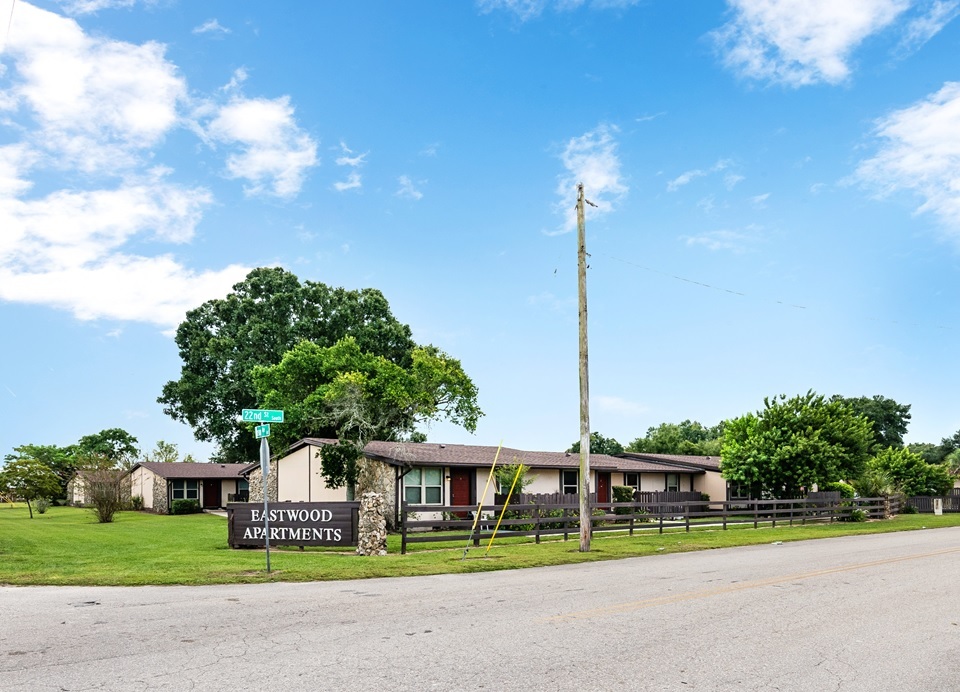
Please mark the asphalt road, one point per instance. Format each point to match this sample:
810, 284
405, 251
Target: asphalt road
877, 612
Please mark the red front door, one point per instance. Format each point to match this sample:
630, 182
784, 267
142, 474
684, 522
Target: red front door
603, 487
211, 493
460, 487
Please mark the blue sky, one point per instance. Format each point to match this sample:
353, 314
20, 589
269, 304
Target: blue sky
778, 190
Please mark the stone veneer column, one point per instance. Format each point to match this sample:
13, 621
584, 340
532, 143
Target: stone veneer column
159, 495
372, 529
256, 486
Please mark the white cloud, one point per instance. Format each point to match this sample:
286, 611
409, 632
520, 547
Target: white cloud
353, 160
528, 9
101, 108
90, 6
211, 26
734, 241
97, 103
920, 152
590, 159
923, 28
800, 42
760, 200
430, 150
275, 153
689, 176
730, 180
620, 406
353, 182
407, 189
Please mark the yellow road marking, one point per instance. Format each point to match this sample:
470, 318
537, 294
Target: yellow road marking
742, 586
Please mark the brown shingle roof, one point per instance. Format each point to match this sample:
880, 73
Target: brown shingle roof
183, 469
711, 463
434, 454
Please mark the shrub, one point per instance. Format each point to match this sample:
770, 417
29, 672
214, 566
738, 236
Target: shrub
42, 504
909, 509
104, 488
845, 489
136, 503
622, 493
184, 507
857, 515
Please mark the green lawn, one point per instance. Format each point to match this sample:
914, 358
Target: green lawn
67, 546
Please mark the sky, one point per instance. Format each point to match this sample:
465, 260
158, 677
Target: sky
777, 190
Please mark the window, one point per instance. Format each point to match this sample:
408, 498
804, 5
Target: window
632, 479
423, 486
185, 490
568, 482
673, 482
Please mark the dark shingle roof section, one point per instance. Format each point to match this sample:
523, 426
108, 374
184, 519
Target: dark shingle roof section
183, 469
706, 463
434, 454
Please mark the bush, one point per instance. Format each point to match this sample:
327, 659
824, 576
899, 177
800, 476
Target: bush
845, 489
136, 503
857, 515
909, 509
184, 507
41, 504
622, 493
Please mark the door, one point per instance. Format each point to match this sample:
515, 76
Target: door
211, 493
603, 487
461, 488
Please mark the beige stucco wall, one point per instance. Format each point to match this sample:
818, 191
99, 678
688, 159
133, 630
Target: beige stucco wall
141, 483
713, 484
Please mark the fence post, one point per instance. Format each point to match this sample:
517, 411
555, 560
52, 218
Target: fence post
633, 516
566, 525
725, 507
403, 528
660, 512
686, 515
536, 514
756, 510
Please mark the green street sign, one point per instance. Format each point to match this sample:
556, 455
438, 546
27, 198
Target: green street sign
259, 415
262, 430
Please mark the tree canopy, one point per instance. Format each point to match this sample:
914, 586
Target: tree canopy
355, 396
793, 443
29, 479
688, 437
910, 474
888, 419
116, 444
264, 316
599, 445
61, 461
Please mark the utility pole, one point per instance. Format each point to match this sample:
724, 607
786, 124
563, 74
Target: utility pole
585, 518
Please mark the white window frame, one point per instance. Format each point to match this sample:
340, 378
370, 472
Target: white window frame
674, 489
565, 487
626, 481
422, 487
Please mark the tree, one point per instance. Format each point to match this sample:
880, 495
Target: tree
910, 474
266, 315
355, 396
60, 460
115, 444
29, 479
929, 452
686, 438
599, 445
793, 443
105, 485
166, 452
888, 418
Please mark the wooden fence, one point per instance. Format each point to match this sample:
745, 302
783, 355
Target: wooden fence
551, 519
951, 503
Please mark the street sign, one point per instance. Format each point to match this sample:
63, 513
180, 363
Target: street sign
262, 431
259, 415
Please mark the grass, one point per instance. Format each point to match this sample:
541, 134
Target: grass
67, 546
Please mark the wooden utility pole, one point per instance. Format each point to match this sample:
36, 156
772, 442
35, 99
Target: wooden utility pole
585, 518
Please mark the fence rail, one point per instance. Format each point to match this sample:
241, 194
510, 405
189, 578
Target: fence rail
924, 505
539, 519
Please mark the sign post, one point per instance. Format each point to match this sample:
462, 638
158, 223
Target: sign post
264, 472
262, 431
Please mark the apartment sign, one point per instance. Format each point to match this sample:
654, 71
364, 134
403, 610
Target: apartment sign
293, 523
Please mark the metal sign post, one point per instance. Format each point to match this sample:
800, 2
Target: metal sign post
264, 472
